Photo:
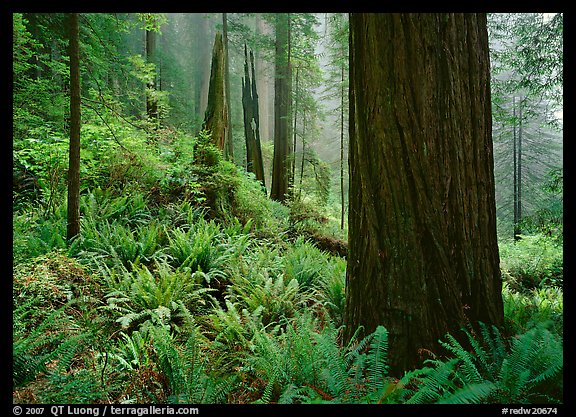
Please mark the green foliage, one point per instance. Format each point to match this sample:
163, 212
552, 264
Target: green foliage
36, 235
532, 262
187, 283
331, 291
525, 310
113, 243
161, 295
304, 263
53, 342
186, 370
199, 249
529, 371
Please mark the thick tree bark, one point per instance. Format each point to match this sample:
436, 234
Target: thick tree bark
282, 160
73, 227
423, 255
216, 116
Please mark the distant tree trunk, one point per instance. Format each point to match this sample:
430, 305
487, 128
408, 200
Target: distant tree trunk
515, 174
423, 255
520, 104
342, 197
216, 116
263, 69
257, 156
254, 161
282, 160
202, 52
249, 134
151, 102
303, 153
295, 116
73, 227
229, 144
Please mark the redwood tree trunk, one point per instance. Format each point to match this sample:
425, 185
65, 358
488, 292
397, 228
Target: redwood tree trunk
282, 160
229, 144
216, 117
423, 256
151, 102
73, 227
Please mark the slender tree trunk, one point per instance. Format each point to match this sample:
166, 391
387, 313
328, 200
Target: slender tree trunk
519, 208
216, 116
257, 149
73, 227
229, 144
294, 141
515, 176
247, 107
264, 71
342, 200
422, 254
282, 160
151, 102
251, 125
303, 152
202, 51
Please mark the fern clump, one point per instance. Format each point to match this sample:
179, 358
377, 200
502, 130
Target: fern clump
530, 370
162, 295
54, 339
186, 369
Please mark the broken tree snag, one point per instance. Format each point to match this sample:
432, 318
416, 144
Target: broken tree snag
216, 116
251, 120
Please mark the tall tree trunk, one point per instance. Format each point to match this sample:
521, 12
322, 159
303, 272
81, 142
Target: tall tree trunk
202, 52
295, 116
229, 144
151, 102
264, 71
73, 227
254, 161
515, 174
282, 160
257, 149
216, 116
342, 197
520, 162
247, 108
422, 254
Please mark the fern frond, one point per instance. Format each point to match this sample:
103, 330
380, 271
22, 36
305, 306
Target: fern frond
467, 369
470, 394
376, 358
435, 382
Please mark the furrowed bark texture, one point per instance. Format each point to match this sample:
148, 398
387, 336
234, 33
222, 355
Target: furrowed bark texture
423, 256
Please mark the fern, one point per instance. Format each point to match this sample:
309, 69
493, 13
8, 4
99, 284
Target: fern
376, 361
529, 371
49, 341
161, 295
185, 370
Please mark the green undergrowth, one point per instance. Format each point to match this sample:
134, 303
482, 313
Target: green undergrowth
195, 287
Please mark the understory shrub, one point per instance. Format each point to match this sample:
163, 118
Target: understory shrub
532, 262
